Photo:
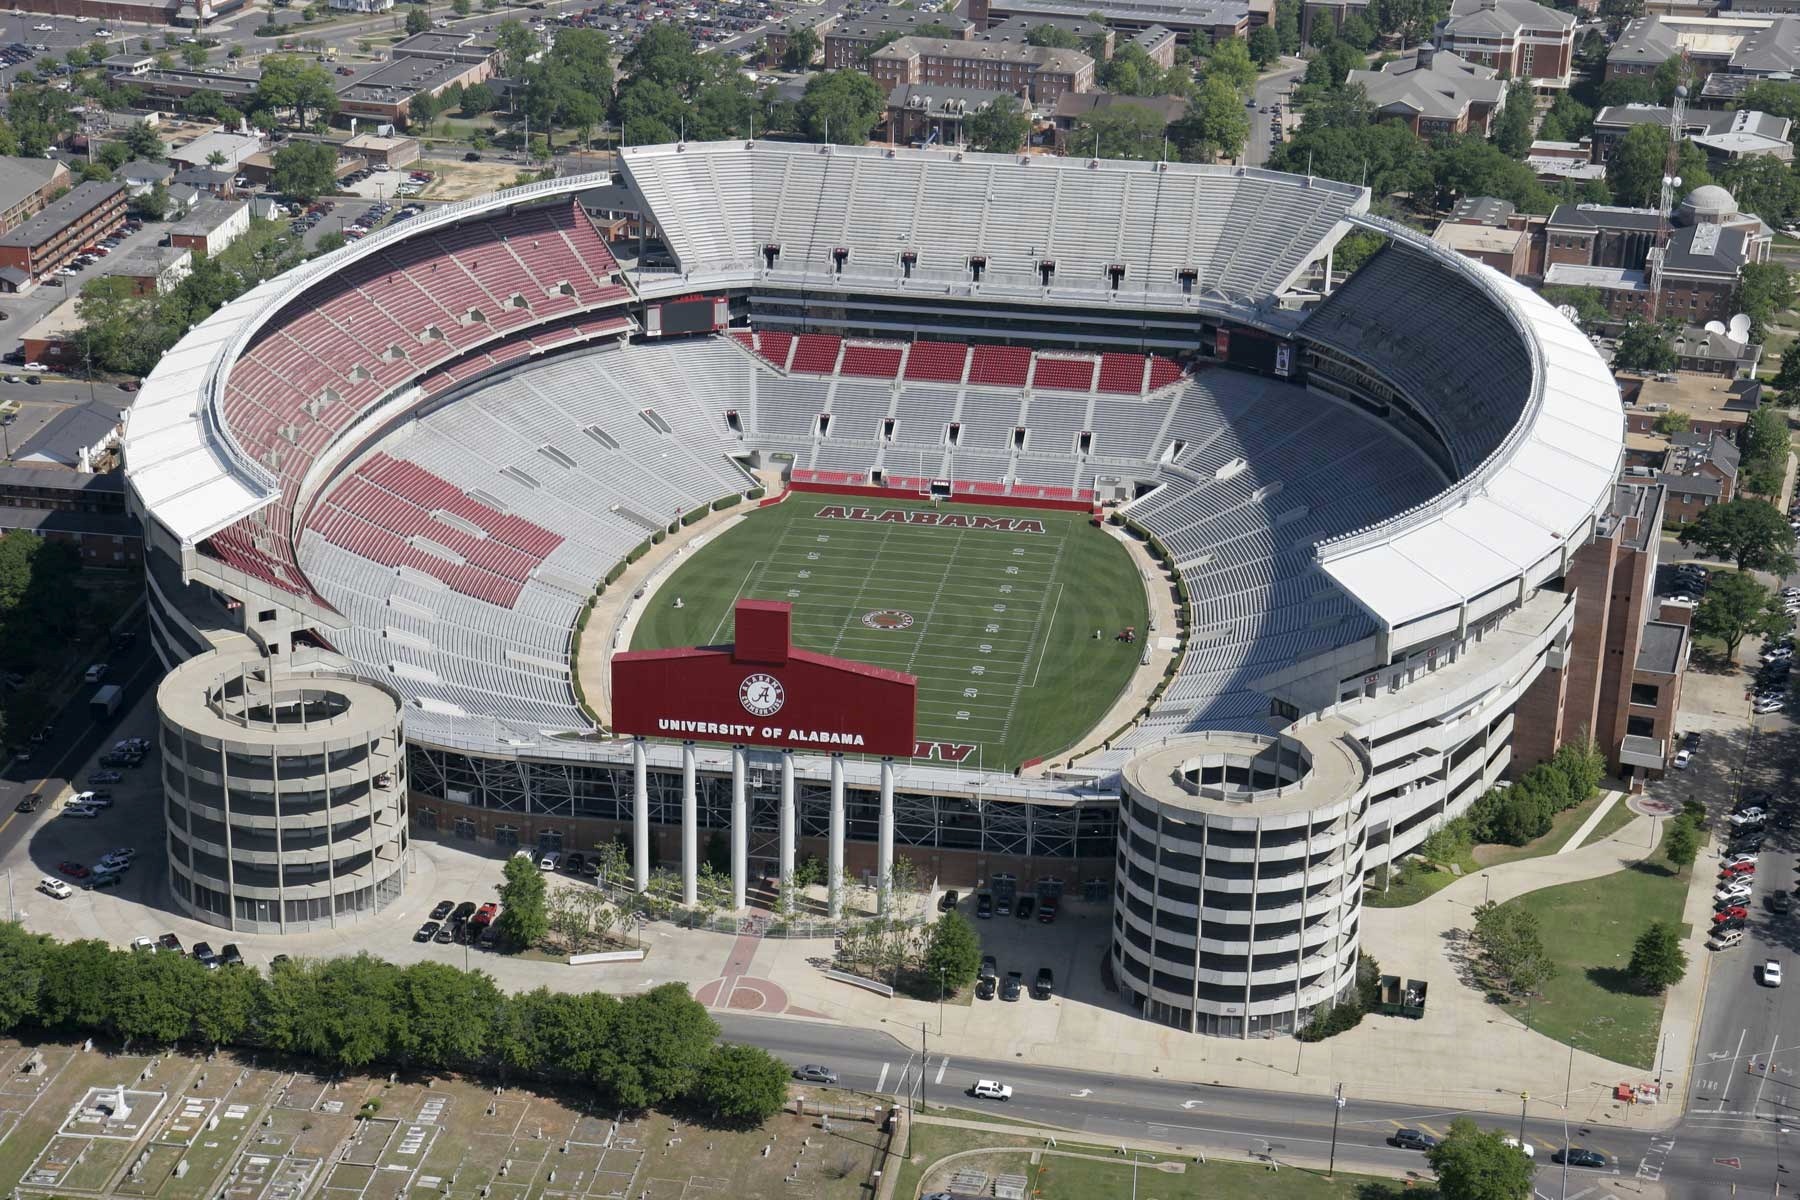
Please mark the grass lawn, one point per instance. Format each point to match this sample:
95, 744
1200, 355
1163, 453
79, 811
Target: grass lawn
1066, 1177
1617, 818
995, 613
1588, 929
1417, 880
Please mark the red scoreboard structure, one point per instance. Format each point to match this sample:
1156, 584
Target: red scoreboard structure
761, 691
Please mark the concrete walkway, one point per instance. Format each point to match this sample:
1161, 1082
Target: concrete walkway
1594, 819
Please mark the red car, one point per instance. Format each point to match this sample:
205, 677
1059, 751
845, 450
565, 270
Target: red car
1735, 870
485, 914
1736, 912
73, 870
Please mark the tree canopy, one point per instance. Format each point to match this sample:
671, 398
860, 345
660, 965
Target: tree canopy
1000, 127
1657, 960
303, 170
524, 918
1734, 607
1750, 532
293, 85
1644, 346
841, 107
1477, 1164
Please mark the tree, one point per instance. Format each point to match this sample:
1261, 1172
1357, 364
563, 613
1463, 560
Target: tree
953, 952
742, 1085
1787, 378
802, 48
293, 85
1657, 959
1512, 949
303, 170
1644, 346
1752, 533
1477, 1164
1512, 131
1265, 45
1590, 309
194, 55
1568, 120
1762, 184
1053, 36
141, 139
840, 107
25, 959
1736, 606
1121, 131
999, 127
477, 98
1673, 422
1619, 13
449, 1015
461, 8
1681, 844
1764, 289
1230, 62
524, 919
1636, 170
660, 1040
417, 20
1215, 123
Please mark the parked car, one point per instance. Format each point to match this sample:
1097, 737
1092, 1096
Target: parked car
1780, 903
1771, 972
1738, 868
1012, 985
1577, 1156
813, 1073
1027, 906
574, 862
170, 943
55, 887
1047, 912
427, 931
446, 934
230, 954
1736, 912
1735, 893
989, 1089
1725, 939
102, 880
1044, 986
203, 953
442, 909
948, 900
1412, 1139
73, 870
984, 905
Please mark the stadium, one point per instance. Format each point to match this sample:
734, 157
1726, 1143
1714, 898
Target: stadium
927, 402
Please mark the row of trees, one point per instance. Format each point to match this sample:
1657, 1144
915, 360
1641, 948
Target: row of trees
1524, 810
655, 1048
42, 611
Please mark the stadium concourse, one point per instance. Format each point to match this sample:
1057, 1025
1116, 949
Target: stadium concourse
415, 458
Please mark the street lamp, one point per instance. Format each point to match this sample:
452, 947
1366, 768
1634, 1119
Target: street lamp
1337, 1108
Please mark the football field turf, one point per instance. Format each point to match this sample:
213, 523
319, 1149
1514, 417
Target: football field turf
997, 623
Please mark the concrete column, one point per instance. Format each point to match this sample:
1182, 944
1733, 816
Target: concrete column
788, 821
836, 865
690, 830
740, 831
640, 818
884, 839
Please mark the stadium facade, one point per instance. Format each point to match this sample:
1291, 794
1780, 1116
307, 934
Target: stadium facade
414, 457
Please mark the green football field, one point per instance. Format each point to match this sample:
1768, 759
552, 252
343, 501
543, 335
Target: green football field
998, 625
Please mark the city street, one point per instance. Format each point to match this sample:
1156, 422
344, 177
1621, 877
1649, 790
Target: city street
1269, 89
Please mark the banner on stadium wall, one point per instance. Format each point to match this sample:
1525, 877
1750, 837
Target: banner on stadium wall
1284, 359
761, 691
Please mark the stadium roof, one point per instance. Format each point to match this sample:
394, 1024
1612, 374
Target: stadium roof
722, 206
1523, 510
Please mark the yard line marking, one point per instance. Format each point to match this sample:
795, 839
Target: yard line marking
1052, 629
942, 1067
882, 1082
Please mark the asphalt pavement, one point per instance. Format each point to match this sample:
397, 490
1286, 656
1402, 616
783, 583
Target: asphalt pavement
1267, 93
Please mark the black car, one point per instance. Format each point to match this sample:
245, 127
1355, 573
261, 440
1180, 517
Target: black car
989, 965
471, 156
463, 911
442, 909
169, 942
229, 954
1012, 985
948, 900
1027, 906
984, 905
1577, 1156
1780, 902
30, 802
984, 988
1728, 923
1044, 986
573, 863
203, 952
427, 931
1412, 1139
446, 934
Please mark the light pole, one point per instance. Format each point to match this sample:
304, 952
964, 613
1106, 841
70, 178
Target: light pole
1568, 1086
940, 1001
1337, 1108
1524, 1099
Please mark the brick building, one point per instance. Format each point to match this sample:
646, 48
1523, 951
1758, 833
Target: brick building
1724, 134
1518, 38
85, 510
1435, 92
1712, 403
849, 41
1620, 675
1698, 471
1736, 47
212, 226
62, 228
918, 114
26, 186
1196, 22
1041, 75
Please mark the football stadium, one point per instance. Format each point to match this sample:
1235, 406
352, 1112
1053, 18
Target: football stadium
1058, 524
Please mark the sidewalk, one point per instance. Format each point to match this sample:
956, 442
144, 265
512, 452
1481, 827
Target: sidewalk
1580, 836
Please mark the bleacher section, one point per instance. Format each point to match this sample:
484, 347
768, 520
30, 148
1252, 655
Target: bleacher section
1170, 233
1477, 389
475, 296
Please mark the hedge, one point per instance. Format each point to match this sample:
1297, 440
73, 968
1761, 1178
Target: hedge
658, 538
755, 493
725, 502
617, 570
688, 518
638, 551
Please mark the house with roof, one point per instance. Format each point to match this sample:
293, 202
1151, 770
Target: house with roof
1725, 51
1724, 134
1698, 471
75, 439
1616, 251
140, 176
1435, 92
1519, 39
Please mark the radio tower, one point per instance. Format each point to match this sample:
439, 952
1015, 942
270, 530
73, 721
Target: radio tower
1665, 207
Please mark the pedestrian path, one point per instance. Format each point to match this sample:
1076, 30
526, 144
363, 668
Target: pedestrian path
1594, 818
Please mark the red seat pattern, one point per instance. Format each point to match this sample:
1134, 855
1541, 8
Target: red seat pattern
1064, 374
1163, 372
389, 510
815, 353
875, 362
404, 313
1122, 373
942, 362
1000, 366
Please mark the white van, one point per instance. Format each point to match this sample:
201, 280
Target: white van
97, 672
550, 861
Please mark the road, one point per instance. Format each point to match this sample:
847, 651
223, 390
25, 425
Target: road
1267, 92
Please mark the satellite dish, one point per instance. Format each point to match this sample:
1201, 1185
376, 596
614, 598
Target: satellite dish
1739, 329
1715, 327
